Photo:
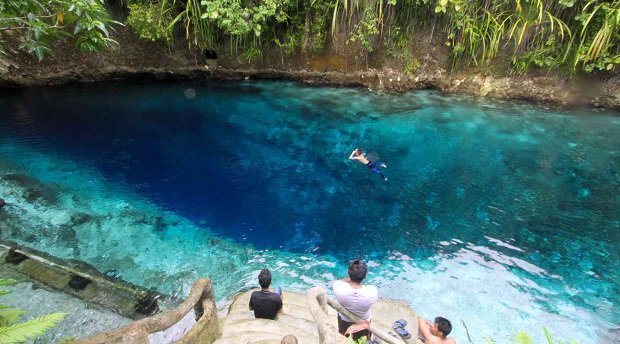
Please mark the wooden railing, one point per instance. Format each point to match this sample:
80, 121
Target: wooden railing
328, 334
206, 330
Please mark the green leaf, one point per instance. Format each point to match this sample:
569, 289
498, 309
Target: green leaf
548, 334
9, 316
21, 332
7, 281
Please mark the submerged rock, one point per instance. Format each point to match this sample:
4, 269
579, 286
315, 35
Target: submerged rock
33, 190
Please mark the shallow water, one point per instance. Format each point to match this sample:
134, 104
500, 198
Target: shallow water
492, 210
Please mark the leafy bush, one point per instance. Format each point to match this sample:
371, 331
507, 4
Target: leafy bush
151, 21
252, 53
39, 23
411, 66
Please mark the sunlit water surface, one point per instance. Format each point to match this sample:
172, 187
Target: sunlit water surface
497, 215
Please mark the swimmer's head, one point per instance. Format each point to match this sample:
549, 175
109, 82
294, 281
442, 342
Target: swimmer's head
358, 151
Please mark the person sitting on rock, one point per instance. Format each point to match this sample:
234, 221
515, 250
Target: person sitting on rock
265, 303
437, 332
356, 298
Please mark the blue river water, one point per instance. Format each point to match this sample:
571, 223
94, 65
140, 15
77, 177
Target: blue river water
500, 216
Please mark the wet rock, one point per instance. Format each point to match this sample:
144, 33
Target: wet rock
2, 203
80, 219
34, 191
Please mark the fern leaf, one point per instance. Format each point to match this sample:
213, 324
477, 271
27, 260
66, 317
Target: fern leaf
4, 292
21, 332
9, 316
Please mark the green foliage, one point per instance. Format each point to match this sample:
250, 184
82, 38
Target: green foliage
397, 44
411, 66
288, 47
567, 35
361, 340
252, 53
239, 18
39, 23
151, 21
9, 316
12, 332
522, 338
19, 333
365, 32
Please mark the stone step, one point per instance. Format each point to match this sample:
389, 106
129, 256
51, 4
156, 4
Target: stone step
240, 326
264, 329
307, 325
253, 337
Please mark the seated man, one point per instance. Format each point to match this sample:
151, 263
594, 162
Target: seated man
355, 297
436, 333
264, 303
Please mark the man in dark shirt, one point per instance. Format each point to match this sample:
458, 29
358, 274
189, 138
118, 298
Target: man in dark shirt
264, 303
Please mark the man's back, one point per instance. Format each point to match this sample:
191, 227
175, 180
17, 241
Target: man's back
439, 340
357, 300
265, 304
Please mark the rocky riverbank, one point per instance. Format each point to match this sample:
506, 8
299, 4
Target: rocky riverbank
137, 59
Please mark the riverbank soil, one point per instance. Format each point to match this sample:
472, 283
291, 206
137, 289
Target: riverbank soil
425, 65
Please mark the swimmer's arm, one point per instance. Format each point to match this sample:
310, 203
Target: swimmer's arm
423, 324
351, 157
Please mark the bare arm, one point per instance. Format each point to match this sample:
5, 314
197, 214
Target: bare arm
424, 326
351, 157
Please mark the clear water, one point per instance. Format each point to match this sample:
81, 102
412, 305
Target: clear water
500, 215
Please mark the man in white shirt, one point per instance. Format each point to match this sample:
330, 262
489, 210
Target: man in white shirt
355, 297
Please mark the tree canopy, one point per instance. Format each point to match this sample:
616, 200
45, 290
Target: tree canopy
568, 35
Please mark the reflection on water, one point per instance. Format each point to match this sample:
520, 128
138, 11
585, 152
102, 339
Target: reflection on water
492, 211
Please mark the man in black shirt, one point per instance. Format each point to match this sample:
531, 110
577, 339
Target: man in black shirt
264, 303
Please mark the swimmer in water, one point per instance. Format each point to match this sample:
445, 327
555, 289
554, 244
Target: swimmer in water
358, 155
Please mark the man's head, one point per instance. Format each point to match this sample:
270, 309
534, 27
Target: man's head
358, 151
264, 278
442, 327
357, 270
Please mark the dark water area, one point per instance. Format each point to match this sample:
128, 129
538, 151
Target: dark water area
532, 189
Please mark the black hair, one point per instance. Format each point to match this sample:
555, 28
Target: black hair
443, 325
264, 278
357, 270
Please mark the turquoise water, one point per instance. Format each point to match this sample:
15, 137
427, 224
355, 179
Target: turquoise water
502, 215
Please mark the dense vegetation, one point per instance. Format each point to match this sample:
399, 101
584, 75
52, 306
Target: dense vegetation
38, 23
570, 35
